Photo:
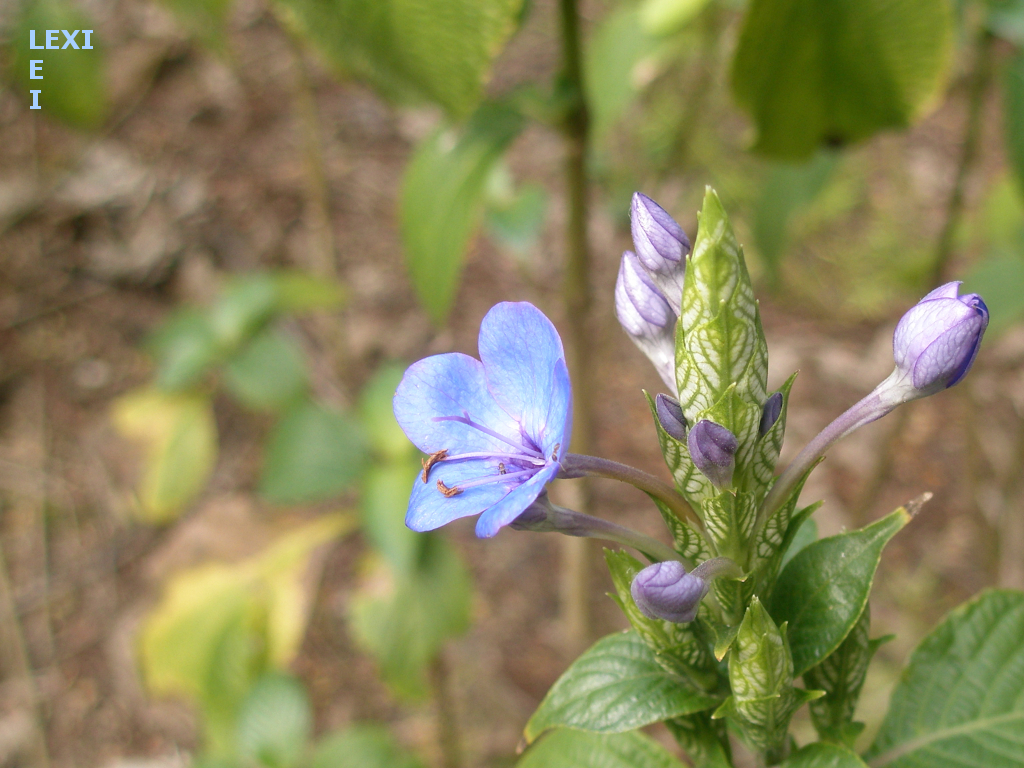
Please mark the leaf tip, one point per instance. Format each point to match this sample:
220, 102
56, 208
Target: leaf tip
913, 506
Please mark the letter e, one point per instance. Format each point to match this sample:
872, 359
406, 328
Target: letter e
34, 65
51, 39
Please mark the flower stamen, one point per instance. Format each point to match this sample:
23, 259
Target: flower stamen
486, 480
446, 491
431, 460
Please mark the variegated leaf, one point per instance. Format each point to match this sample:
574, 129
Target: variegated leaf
705, 741
766, 453
729, 519
742, 419
676, 646
761, 676
691, 483
720, 340
841, 675
764, 723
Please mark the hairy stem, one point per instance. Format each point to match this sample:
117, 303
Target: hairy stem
577, 300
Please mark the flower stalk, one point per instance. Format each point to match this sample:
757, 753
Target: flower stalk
577, 465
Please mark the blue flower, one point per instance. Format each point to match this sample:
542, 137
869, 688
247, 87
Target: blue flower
495, 429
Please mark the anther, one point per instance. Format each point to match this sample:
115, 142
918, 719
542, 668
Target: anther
431, 460
501, 468
448, 492
554, 452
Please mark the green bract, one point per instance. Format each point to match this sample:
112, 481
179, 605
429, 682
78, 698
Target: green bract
788, 622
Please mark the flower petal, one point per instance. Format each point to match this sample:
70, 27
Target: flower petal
509, 508
430, 509
948, 356
558, 431
519, 348
450, 385
946, 291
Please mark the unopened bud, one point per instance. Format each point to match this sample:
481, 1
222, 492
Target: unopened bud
666, 591
670, 416
770, 413
713, 451
661, 246
645, 314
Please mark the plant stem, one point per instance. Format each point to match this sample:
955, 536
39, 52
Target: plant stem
594, 466
447, 722
577, 300
868, 409
322, 259
569, 522
981, 77
14, 663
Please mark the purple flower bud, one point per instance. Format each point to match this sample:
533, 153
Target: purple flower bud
770, 413
937, 340
645, 314
661, 246
670, 415
666, 591
713, 450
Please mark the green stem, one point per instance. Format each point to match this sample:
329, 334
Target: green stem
981, 78
577, 300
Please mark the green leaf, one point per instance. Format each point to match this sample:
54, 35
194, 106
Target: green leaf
676, 646
617, 685
958, 703
184, 347
787, 189
268, 373
565, 748
302, 292
814, 72
376, 411
823, 590
1006, 20
72, 85
719, 343
442, 201
517, 221
180, 438
705, 741
403, 620
824, 755
275, 722
245, 304
806, 534
312, 453
769, 446
385, 498
217, 627
363, 746
617, 46
439, 50
663, 17
841, 675
761, 676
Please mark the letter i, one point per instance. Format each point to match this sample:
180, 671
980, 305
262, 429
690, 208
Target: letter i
35, 99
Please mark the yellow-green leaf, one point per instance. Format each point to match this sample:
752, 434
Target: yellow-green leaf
180, 439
